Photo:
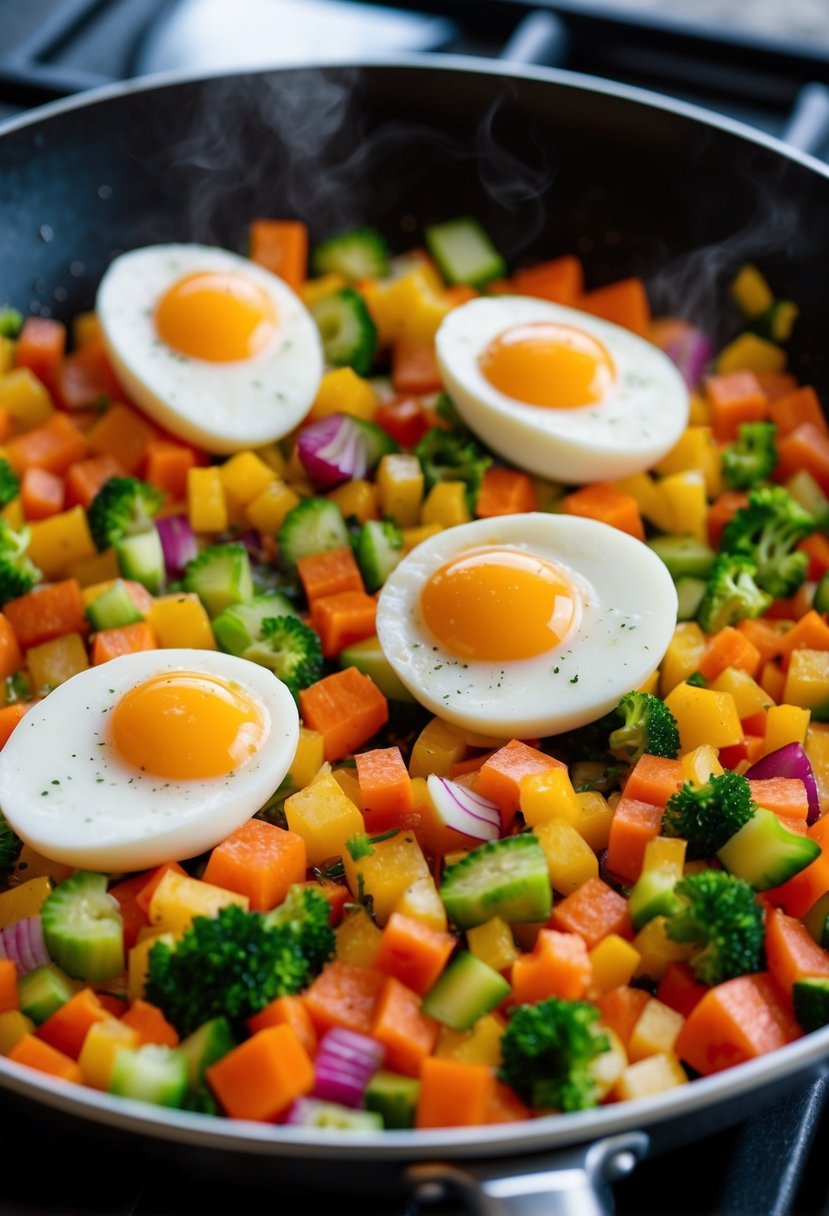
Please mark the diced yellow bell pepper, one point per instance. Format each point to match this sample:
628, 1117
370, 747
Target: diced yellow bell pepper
785, 724
268, 509
749, 697
358, 939
180, 619
607, 1067
817, 749
178, 898
13, 513
102, 568
493, 943
25, 399
548, 794
807, 680
206, 506
772, 679
614, 963
685, 495
101, 1045
400, 485
357, 498
700, 764
386, 872
349, 785
56, 661
655, 1031
695, 449
61, 541
647, 1077
7, 349
18, 903
138, 961
271, 455
342, 391
570, 859
13, 1026
595, 818
85, 327
649, 498
412, 537
752, 354
445, 504
324, 817
651, 684
656, 949
750, 292
682, 657
436, 749
704, 716
421, 901
665, 853
407, 307
244, 476
699, 413
314, 290
308, 758
481, 1045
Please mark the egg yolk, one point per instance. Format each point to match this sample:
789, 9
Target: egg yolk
187, 725
543, 363
499, 604
216, 315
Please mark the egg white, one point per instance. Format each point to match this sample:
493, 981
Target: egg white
221, 407
640, 420
67, 793
628, 614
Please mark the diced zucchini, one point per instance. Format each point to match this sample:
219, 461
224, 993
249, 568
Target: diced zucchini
356, 255
689, 593
816, 921
83, 928
368, 658
240, 626
150, 1073
220, 576
113, 608
312, 526
204, 1047
141, 557
464, 252
777, 322
42, 992
806, 491
683, 555
393, 1097
317, 1113
653, 895
509, 878
810, 997
349, 336
379, 443
378, 549
765, 853
467, 989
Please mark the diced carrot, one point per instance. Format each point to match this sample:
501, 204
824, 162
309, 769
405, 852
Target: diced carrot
123, 433
414, 367
560, 280
607, 504
329, 573
734, 1022
133, 916
167, 466
67, 1027
784, 795
734, 398
621, 1009
85, 377
287, 1011
41, 493
654, 779
791, 952
816, 547
124, 639
47, 612
282, 247
454, 1093
413, 952
259, 860
806, 447
559, 965
798, 894
811, 632
499, 778
384, 780
85, 478
506, 1106
403, 418
679, 988
624, 303
634, 823
262, 1076
505, 492
343, 619
347, 708
407, 1034
54, 445
344, 995
34, 1053
150, 1024
593, 911
793, 607
10, 715
776, 384
8, 985
729, 648
40, 347
802, 405
766, 636
11, 658
721, 511
473, 764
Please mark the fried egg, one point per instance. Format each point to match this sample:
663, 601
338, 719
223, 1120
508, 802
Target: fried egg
213, 347
526, 625
146, 758
558, 392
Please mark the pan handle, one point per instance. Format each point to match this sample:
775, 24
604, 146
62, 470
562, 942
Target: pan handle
575, 1182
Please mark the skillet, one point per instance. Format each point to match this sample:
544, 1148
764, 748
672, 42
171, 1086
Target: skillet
550, 162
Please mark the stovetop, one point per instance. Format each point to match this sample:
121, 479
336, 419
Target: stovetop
772, 1164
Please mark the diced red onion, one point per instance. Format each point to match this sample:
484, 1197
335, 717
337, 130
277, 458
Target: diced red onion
23, 943
333, 450
345, 1064
350, 1046
178, 543
689, 348
463, 810
789, 761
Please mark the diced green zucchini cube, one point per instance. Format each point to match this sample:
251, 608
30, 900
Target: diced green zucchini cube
151, 1073
509, 878
240, 626
113, 608
204, 1047
467, 989
43, 991
393, 1097
811, 1002
464, 252
368, 657
765, 853
141, 557
683, 555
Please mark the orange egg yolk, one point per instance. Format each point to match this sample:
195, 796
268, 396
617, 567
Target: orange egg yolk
216, 315
499, 604
187, 725
547, 364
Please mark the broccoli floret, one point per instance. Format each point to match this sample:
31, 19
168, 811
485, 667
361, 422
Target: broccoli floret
124, 506
18, 574
547, 1050
233, 964
732, 593
453, 456
648, 726
723, 916
766, 530
10, 844
9, 483
751, 458
708, 815
290, 649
